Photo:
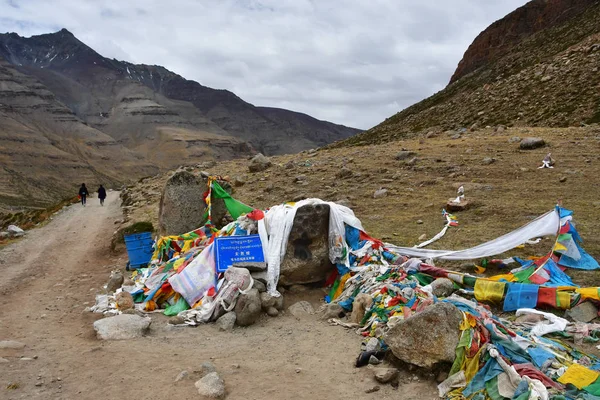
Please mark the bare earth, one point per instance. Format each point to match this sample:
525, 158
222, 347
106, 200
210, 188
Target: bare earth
49, 277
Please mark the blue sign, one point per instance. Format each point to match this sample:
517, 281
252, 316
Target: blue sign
237, 249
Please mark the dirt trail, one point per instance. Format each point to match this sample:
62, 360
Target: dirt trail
49, 277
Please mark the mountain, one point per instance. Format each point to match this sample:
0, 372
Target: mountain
69, 115
147, 107
537, 66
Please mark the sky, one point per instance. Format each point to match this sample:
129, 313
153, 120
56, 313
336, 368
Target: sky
353, 62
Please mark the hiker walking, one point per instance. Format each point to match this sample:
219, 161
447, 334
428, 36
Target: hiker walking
83, 193
101, 194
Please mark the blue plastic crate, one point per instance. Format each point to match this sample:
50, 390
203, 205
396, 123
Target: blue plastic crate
139, 249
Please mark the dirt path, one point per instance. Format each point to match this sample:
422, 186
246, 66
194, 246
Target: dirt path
48, 279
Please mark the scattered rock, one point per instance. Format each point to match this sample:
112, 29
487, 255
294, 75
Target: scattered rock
211, 386
419, 222
259, 163
373, 389
531, 143
182, 375
442, 287
488, 161
124, 300
121, 327
176, 320
546, 78
344, 173
227, 321
301, 309
239, 181
562, 179
380, 193
404, 155
332, 310
500, 129
412, 161
115, 281
441, 321
385, 375
514, 139
207, 368
454, 207
272, 312
248, 308
267, 301
15, 231
422, 237
584, 312
11, 344
300, 178
456, 136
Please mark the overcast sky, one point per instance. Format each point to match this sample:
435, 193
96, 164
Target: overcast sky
354, 62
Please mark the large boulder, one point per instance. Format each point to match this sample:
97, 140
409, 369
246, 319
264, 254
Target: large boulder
182, 207
307, 254
248, 308
119, 327
441, 322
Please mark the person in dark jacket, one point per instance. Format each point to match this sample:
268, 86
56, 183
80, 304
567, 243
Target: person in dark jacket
83, 193
101, 194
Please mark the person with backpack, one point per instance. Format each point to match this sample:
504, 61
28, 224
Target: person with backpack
101, 194
83, 193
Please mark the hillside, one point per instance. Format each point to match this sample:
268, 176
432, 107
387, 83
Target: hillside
507, 190
142, 105
538, 66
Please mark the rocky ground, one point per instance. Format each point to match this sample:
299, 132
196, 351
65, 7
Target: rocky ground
49, 350
418, 176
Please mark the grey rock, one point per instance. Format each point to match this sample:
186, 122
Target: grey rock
454, 207
239, 181
441, 321
3, 360
176, 320
259, 163
248, 308
374, 360
181, 207
272, 312
15, 231
207, 368
211, 386
404, 155
530, 143
514, 139
252, 266
307, 253
115, 281
562, 179
4, 235
412, 161
456, 136
268, 301
300, 178
385, 375
488, 161
372, 389
181, 376
119, 327
344, 202
260, 277
546, 78
584, 312
227, 321
332, 310
301, 309
11, 344
442, 287
380, 193
258, 285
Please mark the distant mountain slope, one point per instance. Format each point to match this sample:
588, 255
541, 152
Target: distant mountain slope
46, 151
135, 103
538, 66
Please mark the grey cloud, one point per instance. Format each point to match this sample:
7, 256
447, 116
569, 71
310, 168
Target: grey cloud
352, 62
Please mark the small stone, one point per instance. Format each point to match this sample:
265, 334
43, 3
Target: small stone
122, 326
176, 320
259, 163
206, 368
385, 375
584, 312
261, 287
374, 360
272, 312
182, 375
227, 321
124, 301
300, 178
298, 370
301, 309
211, 386
373, 389
514, 139
488, 161
26, 359
3, 360
268, 301
332, 310
38, 384
546, 78
344, 173
442, 287
531, 143
456, 136
422, 237
380, 193
115, 281
562, 179
11, 344
419, 222
403, 155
